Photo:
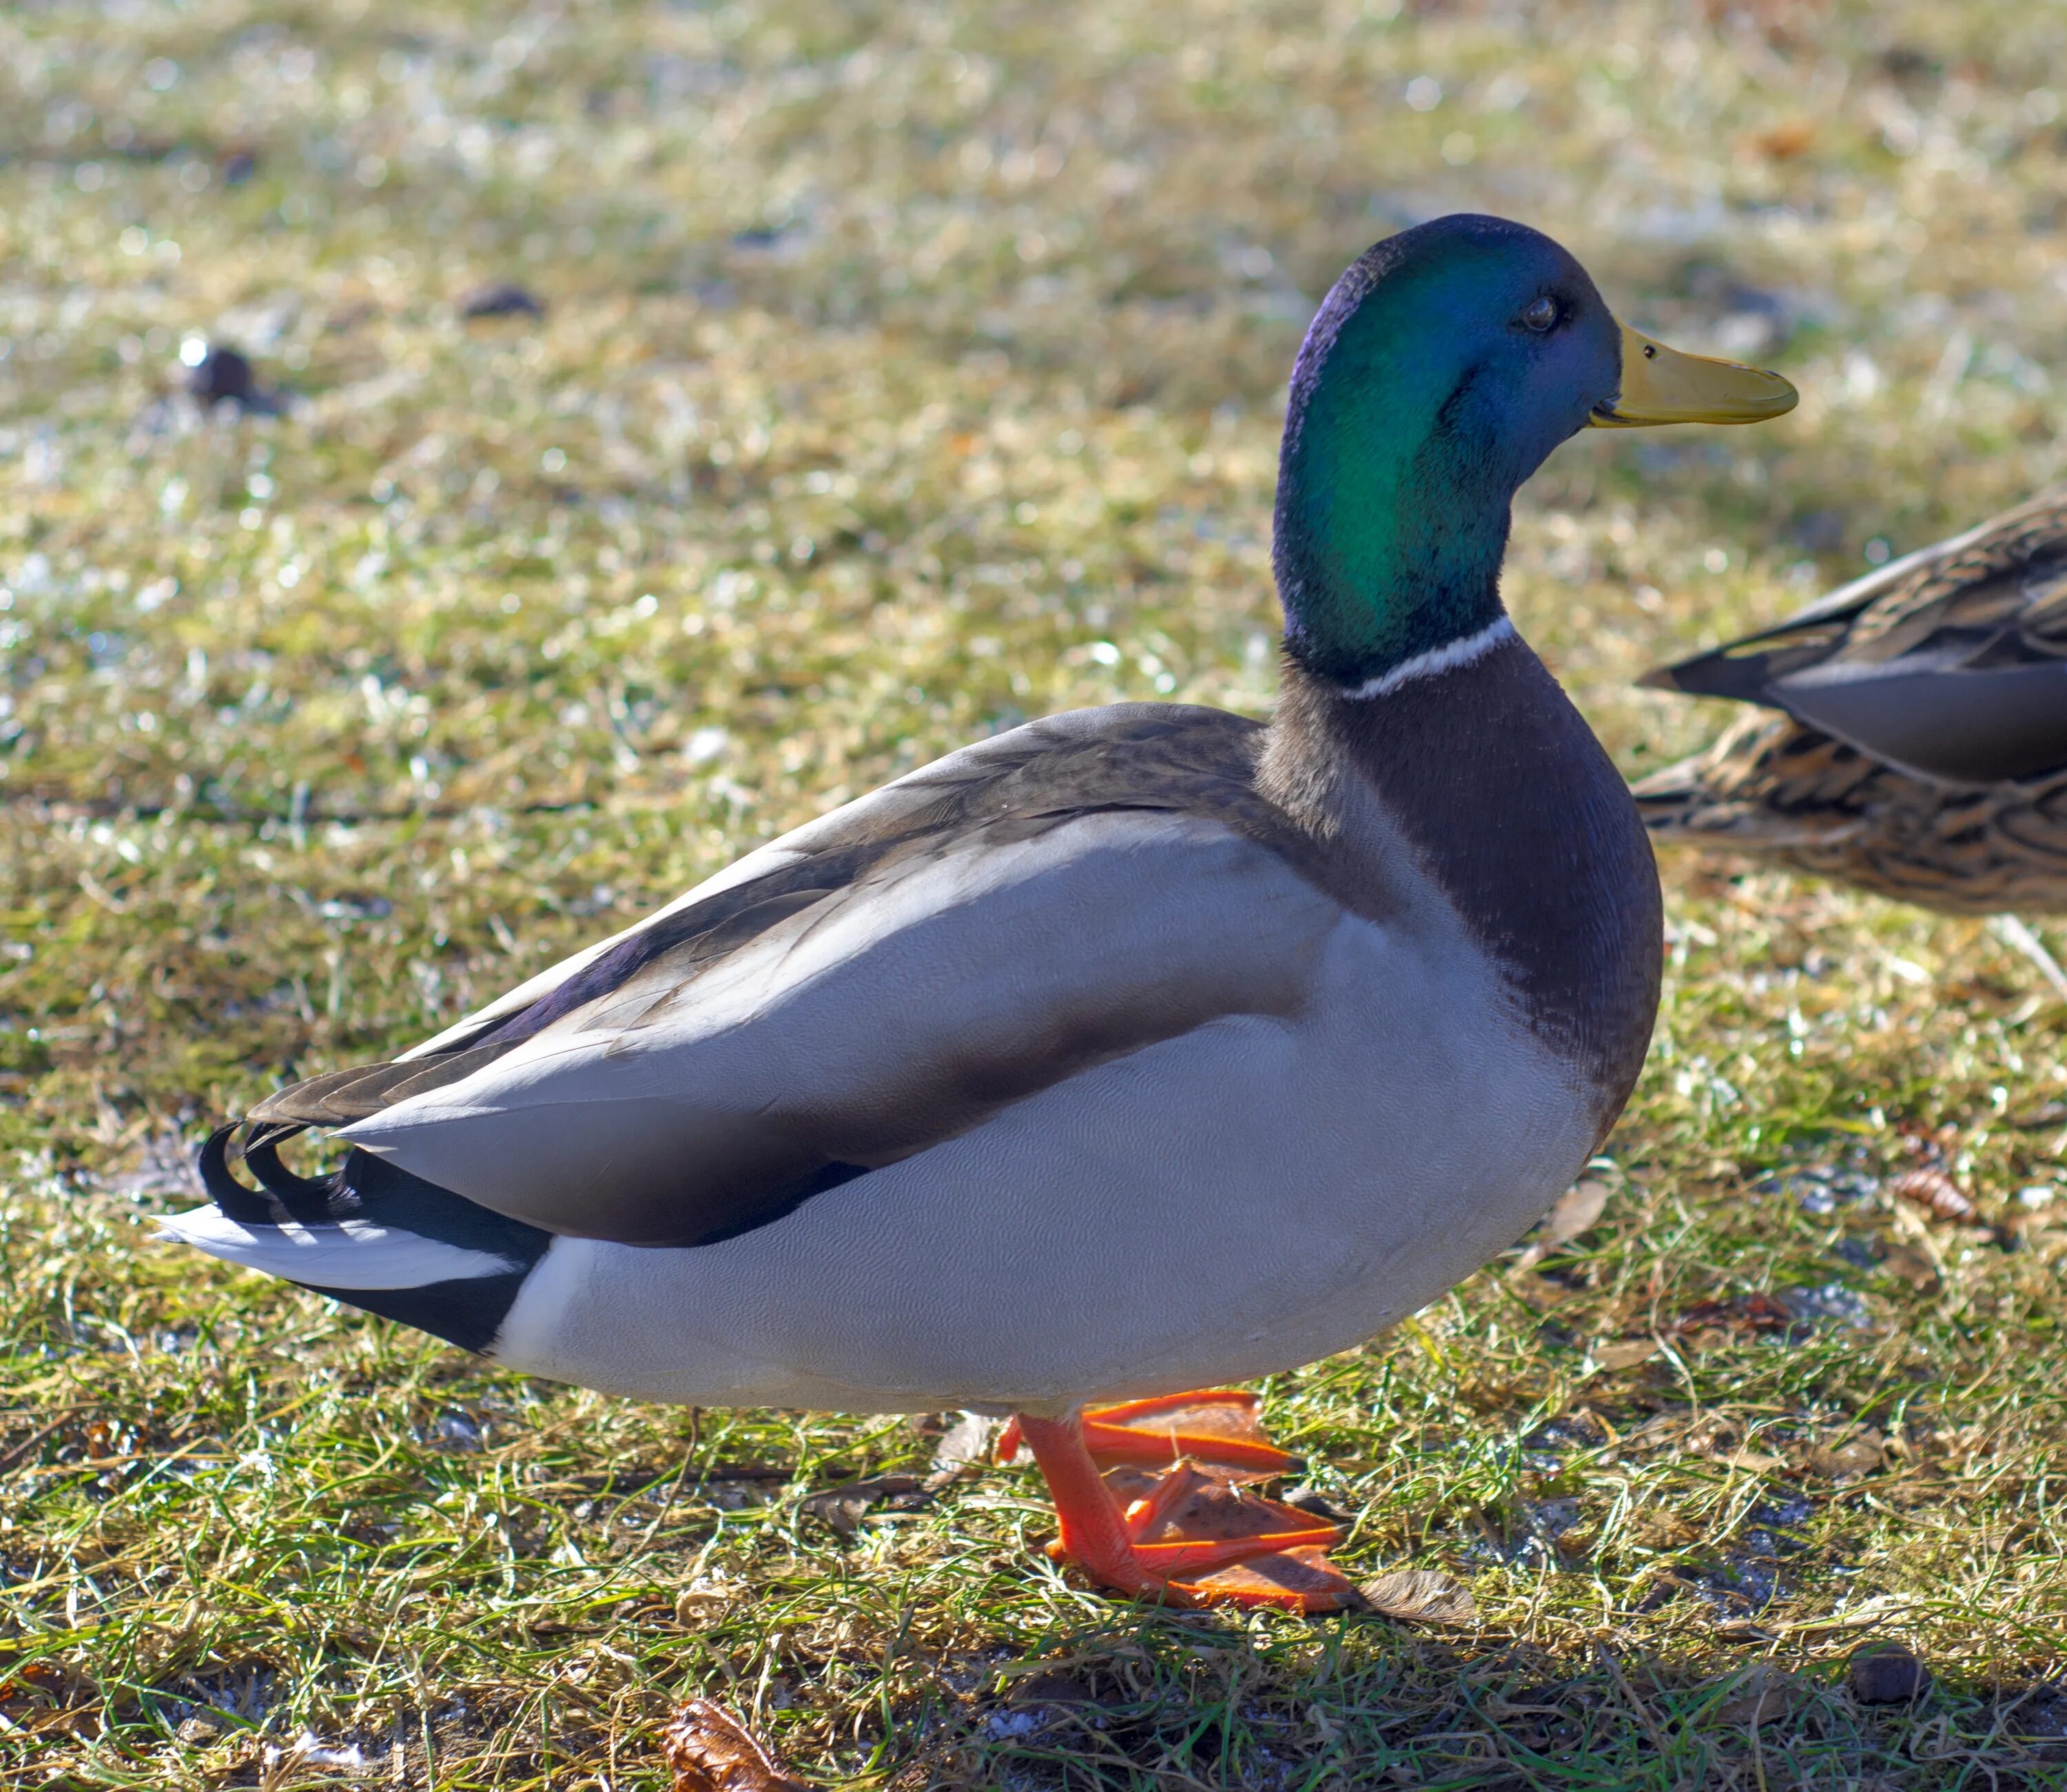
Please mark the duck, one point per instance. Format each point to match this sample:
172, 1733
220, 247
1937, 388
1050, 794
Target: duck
1908, 732
1107, 1062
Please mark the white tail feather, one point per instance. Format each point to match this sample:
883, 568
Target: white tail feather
354, 1254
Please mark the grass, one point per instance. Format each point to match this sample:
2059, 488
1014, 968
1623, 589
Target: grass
907, 371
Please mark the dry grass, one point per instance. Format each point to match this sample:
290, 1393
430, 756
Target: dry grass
907, 371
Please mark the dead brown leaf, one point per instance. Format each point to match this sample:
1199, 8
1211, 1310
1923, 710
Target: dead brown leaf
1420, 1596
1577, 1209
1860, 1455
966, 1444
1907, 1263
710, 1750
1763, 1694
1625, 1353
1783, 142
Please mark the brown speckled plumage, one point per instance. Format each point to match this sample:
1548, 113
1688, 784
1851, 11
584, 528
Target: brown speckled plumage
1776, 786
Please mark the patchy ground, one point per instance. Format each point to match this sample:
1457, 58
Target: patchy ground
902, 372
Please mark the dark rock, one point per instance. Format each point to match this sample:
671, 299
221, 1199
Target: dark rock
501, 298
223, 374
1886, 1673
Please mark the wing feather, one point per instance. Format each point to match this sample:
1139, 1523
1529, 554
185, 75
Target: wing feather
882, 979
899, 1012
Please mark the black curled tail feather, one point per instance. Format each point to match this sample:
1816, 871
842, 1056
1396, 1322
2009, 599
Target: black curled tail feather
467, 1310
281, 1194
246, 1206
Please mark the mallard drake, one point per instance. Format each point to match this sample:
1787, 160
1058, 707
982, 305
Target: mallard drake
1919, 745
1126, 1052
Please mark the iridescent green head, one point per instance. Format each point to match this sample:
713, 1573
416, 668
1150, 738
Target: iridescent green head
1441, 371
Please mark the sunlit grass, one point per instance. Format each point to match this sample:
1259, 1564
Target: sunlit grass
907, 372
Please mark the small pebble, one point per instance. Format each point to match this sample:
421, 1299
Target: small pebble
224, 375
1886, 1673
501, 298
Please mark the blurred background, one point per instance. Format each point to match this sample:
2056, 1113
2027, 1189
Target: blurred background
467, 471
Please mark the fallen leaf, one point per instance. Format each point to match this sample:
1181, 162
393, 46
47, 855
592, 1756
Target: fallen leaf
710, 1750
965, 1444
1782, 142
1765, 1694
1420, 1596
1861, 1455
1909, 1265
843, 1508
1935, 1192
1576, 1210
1625, 1353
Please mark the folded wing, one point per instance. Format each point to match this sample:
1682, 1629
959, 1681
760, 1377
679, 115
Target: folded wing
895, 975
1951, 664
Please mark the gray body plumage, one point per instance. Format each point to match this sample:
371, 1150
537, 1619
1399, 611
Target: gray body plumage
1136, 1050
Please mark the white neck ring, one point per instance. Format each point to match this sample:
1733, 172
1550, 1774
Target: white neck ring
1449, 657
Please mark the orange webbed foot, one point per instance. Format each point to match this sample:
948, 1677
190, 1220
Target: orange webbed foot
1155, 1501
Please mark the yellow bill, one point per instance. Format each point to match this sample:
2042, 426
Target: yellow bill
1662, 385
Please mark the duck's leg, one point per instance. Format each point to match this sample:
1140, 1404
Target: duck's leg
1195, 1536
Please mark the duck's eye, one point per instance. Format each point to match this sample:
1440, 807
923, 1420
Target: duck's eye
1541, 314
